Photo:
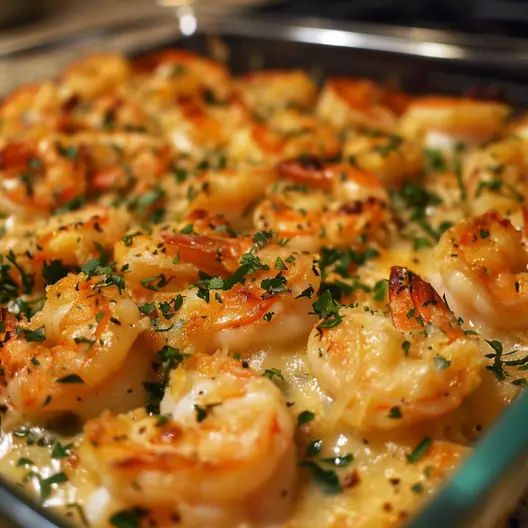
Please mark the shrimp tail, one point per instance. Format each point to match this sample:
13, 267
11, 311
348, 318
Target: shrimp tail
413, 302
306, 170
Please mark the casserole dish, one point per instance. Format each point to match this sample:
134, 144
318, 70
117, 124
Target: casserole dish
262, 53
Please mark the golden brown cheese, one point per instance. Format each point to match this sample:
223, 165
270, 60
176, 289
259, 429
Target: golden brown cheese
246, 302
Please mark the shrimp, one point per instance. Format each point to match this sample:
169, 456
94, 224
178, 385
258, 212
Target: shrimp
443, 122
387, 374
68, 241
95, 75
71, 349
37, 177
30, 112
122, 160
173, 74
482, 264
106, 113
304, 134
495, 178
225, 434
392, 158
347, 206
287, 134
268, 91
347, 102
229, 192
197, 128
153, 264
256, 297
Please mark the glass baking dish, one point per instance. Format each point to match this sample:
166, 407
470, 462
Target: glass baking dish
491, 482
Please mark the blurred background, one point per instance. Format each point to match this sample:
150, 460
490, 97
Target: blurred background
477, 16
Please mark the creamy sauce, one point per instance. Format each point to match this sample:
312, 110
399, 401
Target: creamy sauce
137, 185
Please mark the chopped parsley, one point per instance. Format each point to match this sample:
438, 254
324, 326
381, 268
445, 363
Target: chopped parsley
60, 451
380, 290
47, 483
54, 271
457, 167
391, 145
268, 316
274, 285
327, 308
273, 374
308, 292
70, 378
441, 363
434, 160
33, 336
72, 205
201, 413
499, 187
395, 412
147, 308
128, 239
168, 358
314, 448
155, 283
279, 264
420, 450
128, 518
498, 366
326, 478
339, 460
27, 279
261, 238
70, 152
305, 417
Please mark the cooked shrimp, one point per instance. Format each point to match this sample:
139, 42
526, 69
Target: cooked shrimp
392, 158
250, 302
196, 128
121, 160
385, 375
30, 112
95, 75
354, 224
482, 263
267, 91
37, 177
226, 433
495, 177
153, 264
75, 345
167, 75
287, 134
352, 102
107, 113
72, 238
304, 134
344, 182
442, 122
229, 192
352, 211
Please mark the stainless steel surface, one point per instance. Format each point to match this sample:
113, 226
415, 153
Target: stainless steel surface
416, 42
13, 11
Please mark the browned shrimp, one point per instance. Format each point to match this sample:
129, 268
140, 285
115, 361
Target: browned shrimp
37, 177
387, 374
327, 205
482, 262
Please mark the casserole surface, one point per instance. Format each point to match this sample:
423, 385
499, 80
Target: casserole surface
250, 301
